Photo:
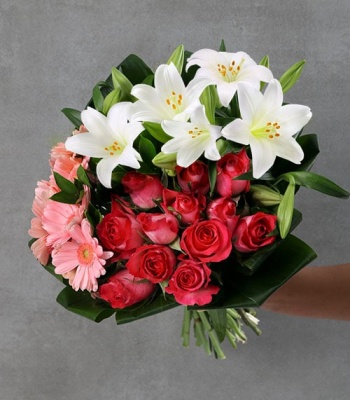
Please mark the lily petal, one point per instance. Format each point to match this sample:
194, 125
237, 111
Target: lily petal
292, 117
86, 144
289, 149
263, 156
238, 131
94, 121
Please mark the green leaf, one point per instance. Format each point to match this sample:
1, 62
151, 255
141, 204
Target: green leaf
120, 81
209, 99
177, 58
155, 130
51, 269
82, 176
112, 98
212, 175
66, 198
134, 69
219, 321
74, 116
285, 209
160, 304
222, 46
97, 98
289, 78
83, 304
64, 184
251, 291
147, 150
316, 182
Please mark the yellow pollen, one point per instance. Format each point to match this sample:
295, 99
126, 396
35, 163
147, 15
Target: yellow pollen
174, 106
271, 136
269, 124
277, 134
168, 101
267, 130
173, 93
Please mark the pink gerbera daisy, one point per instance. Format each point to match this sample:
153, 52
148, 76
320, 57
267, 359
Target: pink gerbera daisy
82, 256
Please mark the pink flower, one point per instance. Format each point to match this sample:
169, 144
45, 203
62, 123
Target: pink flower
254, 231
123, 289
40, 249
193, 179
143, 189
59, 219
84, 256
159, 228
229, 167
190, 284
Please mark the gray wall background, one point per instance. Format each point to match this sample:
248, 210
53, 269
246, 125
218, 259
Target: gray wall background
51, 55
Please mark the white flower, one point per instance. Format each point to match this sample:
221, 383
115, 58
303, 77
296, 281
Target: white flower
191, 139
109, 138
228, 71
169, 99
268, 127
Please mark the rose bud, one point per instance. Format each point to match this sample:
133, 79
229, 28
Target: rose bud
223, 209
186, 206
207, 241
153, 262
193, 179
190, 284
159, 228
254, 231
231, 166
143, 189
123, 289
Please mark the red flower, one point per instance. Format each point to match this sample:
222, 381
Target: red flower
143, 189
190, 284
207, 241
153, 262
119, 230
123, 290
254, 231
159, 228
223, 209
186, 206
193, 179
229, 167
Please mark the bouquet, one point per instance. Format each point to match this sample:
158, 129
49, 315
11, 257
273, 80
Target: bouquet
177, 188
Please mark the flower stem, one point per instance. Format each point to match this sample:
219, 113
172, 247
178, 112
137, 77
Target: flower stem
212, 335
185, 333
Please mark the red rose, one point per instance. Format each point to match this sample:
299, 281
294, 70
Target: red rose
119, 230
207, 241
143, 189
190, 284
254, 231
159, 228
153, 262
229, 167
186, 206
123, 290
193, 179
223, 209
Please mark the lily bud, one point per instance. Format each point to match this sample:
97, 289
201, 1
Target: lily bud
165, 161
265, 195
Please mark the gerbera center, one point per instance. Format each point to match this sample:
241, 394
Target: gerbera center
114, 149
270, 131
229, 72
174, 101
85, 254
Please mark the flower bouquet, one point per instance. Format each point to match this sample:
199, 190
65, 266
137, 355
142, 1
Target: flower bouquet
177, 188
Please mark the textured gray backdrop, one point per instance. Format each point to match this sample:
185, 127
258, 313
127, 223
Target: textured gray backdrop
51, 54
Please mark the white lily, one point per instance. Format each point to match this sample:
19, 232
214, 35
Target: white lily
169, 99
268, 126
191, 139
228, 71
109, 138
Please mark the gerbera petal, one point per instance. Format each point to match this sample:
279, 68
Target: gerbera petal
238, 131
263, 156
